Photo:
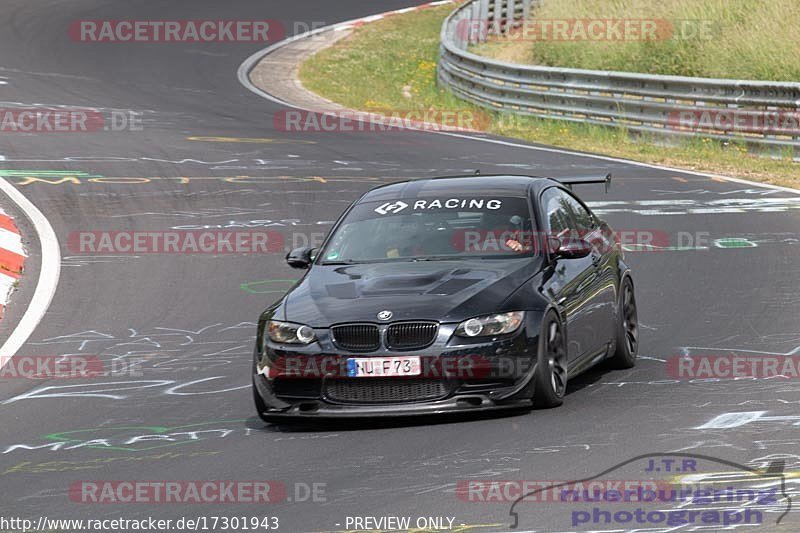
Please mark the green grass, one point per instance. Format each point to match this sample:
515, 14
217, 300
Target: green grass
389, 66
372, 70
746, 39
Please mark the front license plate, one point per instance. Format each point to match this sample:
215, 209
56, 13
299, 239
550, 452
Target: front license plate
368, 367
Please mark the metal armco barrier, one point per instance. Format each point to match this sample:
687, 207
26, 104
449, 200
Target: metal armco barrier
761, 113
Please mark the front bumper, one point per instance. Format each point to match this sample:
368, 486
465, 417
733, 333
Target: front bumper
312, 409
503, 379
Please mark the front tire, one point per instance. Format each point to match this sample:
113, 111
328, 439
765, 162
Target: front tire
550, 381
627, 344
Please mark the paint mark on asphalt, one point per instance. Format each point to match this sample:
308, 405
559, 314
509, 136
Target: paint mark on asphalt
698, 192
135, 439
76, 178
6, 173
689, 206
267, 286
251, 140
736, 420
50, 467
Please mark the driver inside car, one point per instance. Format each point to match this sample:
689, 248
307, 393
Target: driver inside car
511, 230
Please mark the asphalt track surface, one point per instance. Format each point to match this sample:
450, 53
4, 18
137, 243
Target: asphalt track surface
192, 318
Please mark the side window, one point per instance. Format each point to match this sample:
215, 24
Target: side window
557, 212
583, 219
564, 213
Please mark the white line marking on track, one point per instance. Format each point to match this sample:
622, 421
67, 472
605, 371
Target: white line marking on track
624, 161
48, 274
249, 64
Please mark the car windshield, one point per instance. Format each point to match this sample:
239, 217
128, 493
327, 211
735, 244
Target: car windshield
430, 229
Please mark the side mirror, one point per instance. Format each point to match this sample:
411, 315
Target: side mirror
572, 249
300, 257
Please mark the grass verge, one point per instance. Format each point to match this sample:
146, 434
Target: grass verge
390, 66
741, 39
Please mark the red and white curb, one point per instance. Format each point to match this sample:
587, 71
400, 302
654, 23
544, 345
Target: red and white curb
12, 258
48, 275
366, 20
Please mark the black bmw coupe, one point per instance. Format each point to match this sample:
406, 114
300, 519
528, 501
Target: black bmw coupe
448, 294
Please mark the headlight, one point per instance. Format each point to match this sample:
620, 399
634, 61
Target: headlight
288, 333
486, 326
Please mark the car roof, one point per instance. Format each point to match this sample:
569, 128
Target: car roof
478, 185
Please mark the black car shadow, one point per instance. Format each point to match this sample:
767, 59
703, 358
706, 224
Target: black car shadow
367, 423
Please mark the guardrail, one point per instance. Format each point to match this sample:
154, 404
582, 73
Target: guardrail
761, 113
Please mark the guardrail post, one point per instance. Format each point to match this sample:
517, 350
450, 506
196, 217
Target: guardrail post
483, 18
456, 34
526, 10
464, 23
511, 16
495, 17
475, 23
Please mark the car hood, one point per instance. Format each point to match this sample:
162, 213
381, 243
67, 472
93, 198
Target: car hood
446, 291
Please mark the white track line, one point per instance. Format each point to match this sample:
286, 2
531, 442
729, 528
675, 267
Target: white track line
48, 274
249, 64
625, 161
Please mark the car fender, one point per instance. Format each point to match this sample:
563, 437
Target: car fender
527, 296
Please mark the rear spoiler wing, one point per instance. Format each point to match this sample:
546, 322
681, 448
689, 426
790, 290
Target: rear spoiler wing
569, 181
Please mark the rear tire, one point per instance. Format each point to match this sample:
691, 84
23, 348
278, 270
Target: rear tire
627, 343
550, 380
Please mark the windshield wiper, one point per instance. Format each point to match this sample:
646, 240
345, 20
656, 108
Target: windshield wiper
344, 262
433, 258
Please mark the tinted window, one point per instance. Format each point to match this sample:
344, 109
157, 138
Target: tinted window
583, 219
557, 212
563, 212
430, 228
